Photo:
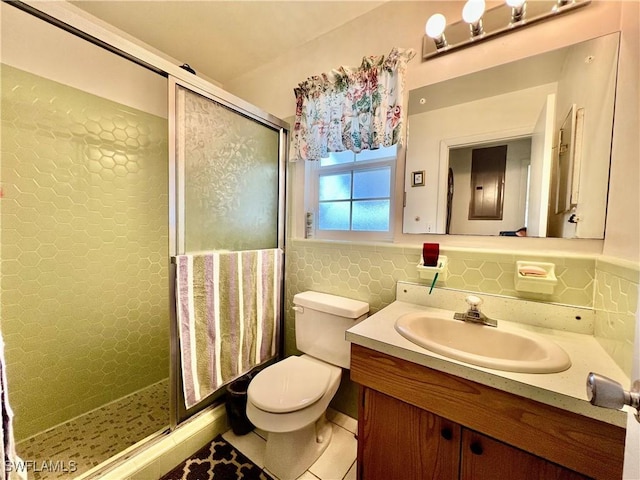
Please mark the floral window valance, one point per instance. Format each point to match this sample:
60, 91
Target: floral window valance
351, 108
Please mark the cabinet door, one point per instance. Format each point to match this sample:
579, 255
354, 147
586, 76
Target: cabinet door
397, 441
484, 458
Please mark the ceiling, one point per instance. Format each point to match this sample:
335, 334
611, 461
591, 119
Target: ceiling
222, 39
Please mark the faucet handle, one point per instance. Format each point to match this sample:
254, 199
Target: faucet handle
473, 302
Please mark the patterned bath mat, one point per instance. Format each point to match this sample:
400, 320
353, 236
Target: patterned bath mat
217, 461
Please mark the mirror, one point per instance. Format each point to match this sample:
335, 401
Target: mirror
521, 145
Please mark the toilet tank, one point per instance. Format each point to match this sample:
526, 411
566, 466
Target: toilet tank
321, 323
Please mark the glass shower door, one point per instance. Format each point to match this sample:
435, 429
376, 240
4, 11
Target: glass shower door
227, 183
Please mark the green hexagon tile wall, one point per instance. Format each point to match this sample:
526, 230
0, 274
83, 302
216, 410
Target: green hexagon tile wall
84, 250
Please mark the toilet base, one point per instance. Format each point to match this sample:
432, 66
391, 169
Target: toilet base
289, 455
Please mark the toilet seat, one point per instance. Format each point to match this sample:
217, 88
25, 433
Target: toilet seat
289, 385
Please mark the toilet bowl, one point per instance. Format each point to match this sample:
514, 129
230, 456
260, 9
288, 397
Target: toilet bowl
289, 399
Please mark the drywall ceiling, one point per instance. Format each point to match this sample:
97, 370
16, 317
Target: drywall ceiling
225, 39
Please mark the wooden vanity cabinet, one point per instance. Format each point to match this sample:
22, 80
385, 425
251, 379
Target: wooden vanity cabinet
399, 441
403, 442
418, 423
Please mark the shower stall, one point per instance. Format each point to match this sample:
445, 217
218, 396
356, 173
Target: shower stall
109, 168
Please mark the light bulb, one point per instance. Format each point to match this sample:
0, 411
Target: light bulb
436, 25
473, 10
517, 10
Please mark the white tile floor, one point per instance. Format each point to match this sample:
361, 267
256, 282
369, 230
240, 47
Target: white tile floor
338, 462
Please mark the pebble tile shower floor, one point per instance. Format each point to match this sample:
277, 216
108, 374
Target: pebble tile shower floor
90, 439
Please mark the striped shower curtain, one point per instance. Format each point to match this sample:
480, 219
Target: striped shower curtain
228, 309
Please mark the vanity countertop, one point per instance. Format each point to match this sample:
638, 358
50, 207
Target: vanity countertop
565, 390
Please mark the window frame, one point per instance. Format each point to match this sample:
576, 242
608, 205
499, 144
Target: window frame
313, 171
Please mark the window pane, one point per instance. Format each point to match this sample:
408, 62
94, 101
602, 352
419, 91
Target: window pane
371, 215
372, 183
334, 216
384, 152
337, 158
335, 187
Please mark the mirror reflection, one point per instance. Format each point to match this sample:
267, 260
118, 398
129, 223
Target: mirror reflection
519, 149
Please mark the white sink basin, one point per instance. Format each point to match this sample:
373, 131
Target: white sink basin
481, 345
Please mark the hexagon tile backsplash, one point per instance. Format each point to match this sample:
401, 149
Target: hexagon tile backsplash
85, 312
370, 272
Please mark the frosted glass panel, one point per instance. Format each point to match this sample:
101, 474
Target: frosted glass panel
230, 177
334, 215
335, 187
372, 183
371, 215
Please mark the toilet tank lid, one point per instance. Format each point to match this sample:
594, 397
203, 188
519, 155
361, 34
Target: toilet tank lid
332, 304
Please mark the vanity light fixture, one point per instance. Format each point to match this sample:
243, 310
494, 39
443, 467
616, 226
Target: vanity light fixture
518, 10
472, 14
561, 3
435, 29
478, 25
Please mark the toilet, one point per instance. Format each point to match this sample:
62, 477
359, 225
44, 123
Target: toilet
289, 399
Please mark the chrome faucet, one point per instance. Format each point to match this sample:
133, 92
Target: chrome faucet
473, 314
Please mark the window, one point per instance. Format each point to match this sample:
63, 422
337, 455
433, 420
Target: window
351, 194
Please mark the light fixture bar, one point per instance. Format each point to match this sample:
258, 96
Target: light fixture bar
499, 20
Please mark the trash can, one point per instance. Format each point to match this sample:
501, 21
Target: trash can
236, 405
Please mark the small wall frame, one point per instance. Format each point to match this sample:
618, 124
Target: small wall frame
417, 178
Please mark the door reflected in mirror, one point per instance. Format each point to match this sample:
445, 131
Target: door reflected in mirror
552, 117
479, 178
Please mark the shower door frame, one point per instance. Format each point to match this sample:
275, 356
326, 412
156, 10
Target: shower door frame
178, 412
